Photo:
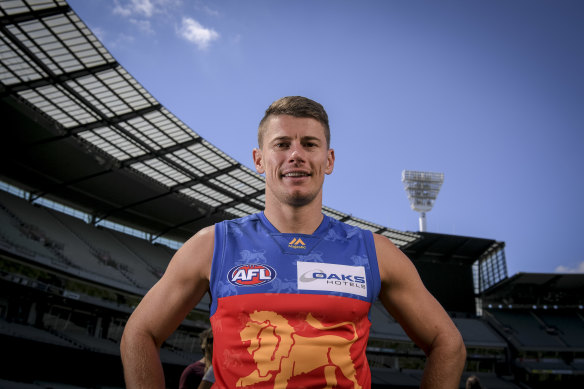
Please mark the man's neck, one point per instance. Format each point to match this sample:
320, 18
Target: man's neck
291, 219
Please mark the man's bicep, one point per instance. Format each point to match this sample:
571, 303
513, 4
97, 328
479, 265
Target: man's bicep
182, 286
406, 298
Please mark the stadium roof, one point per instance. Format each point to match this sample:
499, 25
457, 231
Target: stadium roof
539, 289
79, 129
440, 247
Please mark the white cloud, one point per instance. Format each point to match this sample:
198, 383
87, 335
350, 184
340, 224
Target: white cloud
565, 269
119, 10
141, 7
143, 25
210, 11
192, 31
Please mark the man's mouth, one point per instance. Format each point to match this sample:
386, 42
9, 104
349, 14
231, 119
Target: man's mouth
296, 174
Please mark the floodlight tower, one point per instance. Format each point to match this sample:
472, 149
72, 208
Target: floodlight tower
422, 189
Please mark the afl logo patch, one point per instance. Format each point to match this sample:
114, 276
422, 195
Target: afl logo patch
251, 275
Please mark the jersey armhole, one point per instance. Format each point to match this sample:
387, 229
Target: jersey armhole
216, 264
373, 265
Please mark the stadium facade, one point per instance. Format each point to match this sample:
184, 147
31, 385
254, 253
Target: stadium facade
100, 184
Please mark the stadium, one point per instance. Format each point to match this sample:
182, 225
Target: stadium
100, 184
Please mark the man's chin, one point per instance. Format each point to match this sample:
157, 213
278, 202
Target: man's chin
297, 199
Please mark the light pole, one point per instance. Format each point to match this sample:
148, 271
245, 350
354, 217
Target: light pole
422, 189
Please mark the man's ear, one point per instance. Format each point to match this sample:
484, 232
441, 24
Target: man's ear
330, 161
258, 161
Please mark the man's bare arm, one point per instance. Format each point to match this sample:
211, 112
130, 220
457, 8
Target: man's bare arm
421, 316
163, 308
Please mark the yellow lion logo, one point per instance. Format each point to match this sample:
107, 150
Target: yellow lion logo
278, 350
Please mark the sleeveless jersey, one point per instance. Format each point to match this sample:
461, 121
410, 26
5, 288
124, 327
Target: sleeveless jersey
291, 310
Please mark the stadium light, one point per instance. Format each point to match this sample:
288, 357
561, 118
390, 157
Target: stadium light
422, 189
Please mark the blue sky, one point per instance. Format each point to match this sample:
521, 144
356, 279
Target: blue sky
491, 93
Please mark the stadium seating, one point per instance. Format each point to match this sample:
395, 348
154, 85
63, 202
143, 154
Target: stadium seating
545, 365
569, 326
395, 378
32, 333
6, 384
48, 225
578, 365
74, 243
106, 255
476, 332
156, 257
24, 237
525, 329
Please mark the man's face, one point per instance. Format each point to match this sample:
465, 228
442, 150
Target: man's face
295, 157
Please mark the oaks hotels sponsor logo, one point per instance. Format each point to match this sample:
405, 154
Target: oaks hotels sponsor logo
251, 275
297, 243
332, 277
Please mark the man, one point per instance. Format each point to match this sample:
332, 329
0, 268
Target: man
291, 288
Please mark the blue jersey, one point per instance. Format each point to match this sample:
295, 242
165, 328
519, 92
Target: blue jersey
292, 310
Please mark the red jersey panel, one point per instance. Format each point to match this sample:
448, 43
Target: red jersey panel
290, 341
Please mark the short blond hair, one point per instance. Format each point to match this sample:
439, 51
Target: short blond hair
297, 106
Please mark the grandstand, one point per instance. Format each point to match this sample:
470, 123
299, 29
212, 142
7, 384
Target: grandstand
100, 184
541, 317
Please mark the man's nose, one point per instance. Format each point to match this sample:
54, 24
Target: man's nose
296, 153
